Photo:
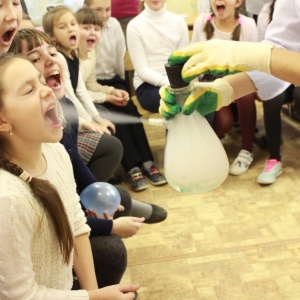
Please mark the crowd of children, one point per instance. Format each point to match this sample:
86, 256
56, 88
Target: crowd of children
75, 88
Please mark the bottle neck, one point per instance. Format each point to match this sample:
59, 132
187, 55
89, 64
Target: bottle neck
179, 91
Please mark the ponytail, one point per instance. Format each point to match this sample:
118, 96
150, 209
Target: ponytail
209, 28
48, 196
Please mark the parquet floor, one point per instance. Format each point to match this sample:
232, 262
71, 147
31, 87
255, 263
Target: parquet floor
240, 241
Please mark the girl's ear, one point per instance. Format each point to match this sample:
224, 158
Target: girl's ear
5, 126
238, 3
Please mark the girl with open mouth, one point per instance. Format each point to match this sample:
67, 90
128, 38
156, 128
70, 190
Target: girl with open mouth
10, 19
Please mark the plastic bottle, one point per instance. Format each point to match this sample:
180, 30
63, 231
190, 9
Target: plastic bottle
194, 160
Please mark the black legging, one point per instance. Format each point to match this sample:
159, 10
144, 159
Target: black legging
105, 159
109, 252
272, 120
110, 259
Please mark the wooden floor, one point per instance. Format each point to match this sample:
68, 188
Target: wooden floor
240, 241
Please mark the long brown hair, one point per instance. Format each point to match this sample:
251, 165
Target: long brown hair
49, 19
42, 190
209, 28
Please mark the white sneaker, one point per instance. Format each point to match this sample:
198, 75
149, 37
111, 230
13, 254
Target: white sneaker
273, 168
241, 163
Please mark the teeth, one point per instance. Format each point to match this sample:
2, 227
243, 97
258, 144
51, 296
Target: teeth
51, 107
54, 73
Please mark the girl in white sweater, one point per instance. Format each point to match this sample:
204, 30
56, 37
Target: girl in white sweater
41, 219
151, 37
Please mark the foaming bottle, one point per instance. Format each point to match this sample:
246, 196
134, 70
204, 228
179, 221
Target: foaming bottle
194, 160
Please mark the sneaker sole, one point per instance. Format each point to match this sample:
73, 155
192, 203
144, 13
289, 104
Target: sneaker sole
238, 173
270, 181
158, 183
141, 188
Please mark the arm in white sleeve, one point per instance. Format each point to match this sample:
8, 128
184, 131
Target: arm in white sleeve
85, 99
139, 59
197, 35
69, 92
96, 91
17, 280
120, 52
284, 33
184, 35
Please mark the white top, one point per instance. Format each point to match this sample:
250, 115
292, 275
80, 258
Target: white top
151, 37
31, 263
82, 100
255, 6
110, 51
248, 30
96, 91
263, 20
283, 31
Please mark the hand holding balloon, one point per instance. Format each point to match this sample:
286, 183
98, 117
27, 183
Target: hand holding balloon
101, 197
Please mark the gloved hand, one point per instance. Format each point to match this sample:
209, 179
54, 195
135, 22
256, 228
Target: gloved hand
168, 107
205, 97
219, 56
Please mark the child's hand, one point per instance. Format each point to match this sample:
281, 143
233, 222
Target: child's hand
105, 125
91, 213
116, 292
219, 56
91, 126
110, 217
126, 227
118, 97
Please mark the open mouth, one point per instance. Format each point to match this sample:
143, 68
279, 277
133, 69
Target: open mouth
220, 7
90, 42
54, 80
8, 36
51, 116
73, 39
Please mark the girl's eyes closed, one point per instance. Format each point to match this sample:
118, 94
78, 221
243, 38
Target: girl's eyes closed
28, 89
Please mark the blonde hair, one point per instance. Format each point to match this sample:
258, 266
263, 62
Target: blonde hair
49, 20
88, 3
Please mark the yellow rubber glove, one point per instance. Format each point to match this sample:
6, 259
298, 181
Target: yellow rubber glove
168, 107
219, 56
205, 97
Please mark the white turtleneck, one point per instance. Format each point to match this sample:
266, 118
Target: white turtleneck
151, 37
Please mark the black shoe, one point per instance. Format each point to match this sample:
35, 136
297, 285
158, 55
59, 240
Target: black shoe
154, 176
159, 214
137, 181
115, 179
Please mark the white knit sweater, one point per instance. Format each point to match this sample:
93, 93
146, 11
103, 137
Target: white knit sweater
152, 36
97, 91
31, 263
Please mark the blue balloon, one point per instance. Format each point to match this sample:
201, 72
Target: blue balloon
101, 197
